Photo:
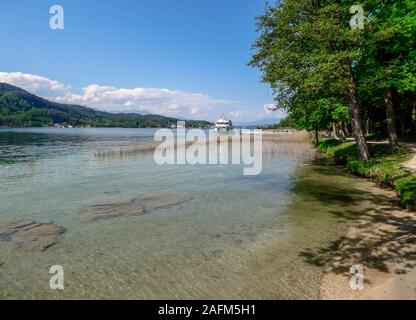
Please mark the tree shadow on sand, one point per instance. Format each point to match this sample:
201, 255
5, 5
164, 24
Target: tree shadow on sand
383, 235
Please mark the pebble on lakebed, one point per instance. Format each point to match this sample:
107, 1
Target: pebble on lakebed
133, 207
30, 235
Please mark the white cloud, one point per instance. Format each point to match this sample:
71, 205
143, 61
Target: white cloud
167, 102
154, 100
239, 115
108, 98
269, 111
33, 83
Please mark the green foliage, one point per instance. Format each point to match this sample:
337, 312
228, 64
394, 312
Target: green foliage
286, 123
406, 187
19, 108
340, 151
340, 112
328, 145
311, 57
385, 167
303, 50
388, 59
388, 53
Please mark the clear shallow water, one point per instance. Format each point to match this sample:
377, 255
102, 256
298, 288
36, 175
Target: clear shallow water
237, 237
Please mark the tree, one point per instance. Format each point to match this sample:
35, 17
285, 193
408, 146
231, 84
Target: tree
341, 117
388, 65
314, 117
306, 52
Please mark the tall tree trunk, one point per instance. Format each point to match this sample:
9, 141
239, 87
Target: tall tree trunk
342, 135
316, 137
403, 123
335, 129
391, 118
346, 129
356, 118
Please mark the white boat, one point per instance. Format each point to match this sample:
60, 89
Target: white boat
223, 125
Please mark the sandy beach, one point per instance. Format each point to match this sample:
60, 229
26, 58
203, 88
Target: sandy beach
383, 240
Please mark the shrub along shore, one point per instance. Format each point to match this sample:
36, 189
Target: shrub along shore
385, 168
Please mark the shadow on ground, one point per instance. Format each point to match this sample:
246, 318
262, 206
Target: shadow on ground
384, 236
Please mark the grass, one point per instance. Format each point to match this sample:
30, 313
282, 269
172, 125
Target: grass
385, 167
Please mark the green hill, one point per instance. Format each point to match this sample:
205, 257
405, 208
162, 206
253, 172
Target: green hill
19, 108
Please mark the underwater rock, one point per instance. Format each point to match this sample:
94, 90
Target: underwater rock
132, 207
30, 235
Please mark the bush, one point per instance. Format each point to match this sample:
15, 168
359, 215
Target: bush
325, 144
385, 167
406, 188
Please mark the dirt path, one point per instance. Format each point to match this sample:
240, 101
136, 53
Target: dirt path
411, 164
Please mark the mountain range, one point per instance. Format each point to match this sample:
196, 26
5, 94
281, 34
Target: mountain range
19, 108
258, 123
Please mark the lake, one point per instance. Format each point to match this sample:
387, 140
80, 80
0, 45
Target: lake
232, 236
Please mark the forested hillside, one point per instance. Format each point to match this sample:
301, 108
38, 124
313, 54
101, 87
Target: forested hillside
21, 108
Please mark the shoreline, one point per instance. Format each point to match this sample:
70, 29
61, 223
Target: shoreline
383, 241
388, 251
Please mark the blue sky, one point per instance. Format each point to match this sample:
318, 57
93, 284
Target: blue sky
184, 58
